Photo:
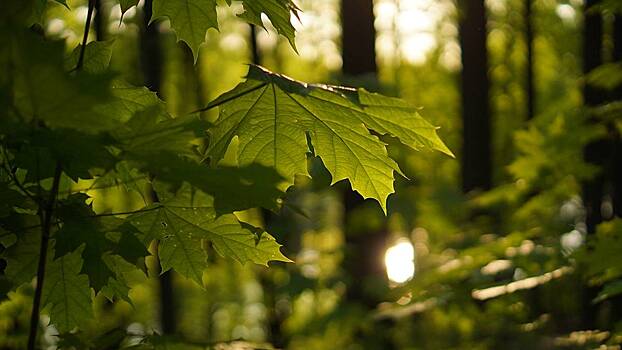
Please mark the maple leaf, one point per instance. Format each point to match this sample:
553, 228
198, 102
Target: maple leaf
184, 221
272, 115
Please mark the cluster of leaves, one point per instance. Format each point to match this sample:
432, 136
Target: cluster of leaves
68, 117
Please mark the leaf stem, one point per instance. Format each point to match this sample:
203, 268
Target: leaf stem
46, 225
125, 212
217, 103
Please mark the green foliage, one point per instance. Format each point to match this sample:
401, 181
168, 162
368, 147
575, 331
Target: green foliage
273, 116
67, 292
192, 18
601, 259
69, 118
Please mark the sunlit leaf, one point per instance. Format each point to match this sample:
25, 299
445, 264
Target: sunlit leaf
183, 222
189, 18
272, 115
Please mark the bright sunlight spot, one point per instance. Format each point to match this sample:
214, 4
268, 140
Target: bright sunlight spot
400, 261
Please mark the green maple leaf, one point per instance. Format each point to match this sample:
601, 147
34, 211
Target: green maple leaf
46, 146
278, 11
118, 287
189, 18
98, 237
66, 293
165, 147
97, 55
272, 115
145, 134
23, 256
76, 233
127, 100
184, 221
43, 91
233, 188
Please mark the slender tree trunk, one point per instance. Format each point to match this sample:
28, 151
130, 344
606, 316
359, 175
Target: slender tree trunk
100, 21
617, 159
529, 37
358, 50
476, 125
595, 152
364, 250
359, 59
151, 61
151, 51
255, 53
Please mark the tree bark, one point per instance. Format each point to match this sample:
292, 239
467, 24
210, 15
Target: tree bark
358, 49
595, 152
255, 53
151, 62
100, 21
476, 125
617, 158
359, 59
529, 37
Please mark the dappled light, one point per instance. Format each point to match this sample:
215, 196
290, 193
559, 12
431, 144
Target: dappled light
400, 261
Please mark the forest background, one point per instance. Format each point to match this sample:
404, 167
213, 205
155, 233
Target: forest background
512, 244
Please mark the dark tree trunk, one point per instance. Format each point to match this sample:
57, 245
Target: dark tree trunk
151, 51
151, 63
529, 36
617, 159
100, 21
359, 59
595, 152
256, 55
358, 49
364, 250
476, 149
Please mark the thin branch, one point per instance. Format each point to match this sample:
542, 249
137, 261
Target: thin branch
85, 37
46, 217
124, 212
46, 214
25, 229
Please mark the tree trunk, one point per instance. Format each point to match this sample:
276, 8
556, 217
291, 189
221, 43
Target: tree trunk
358, 49
100, 21
529, 37
256, 55
476, 149
595, 152
359, 59
151, 62
364, 250
617, 158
